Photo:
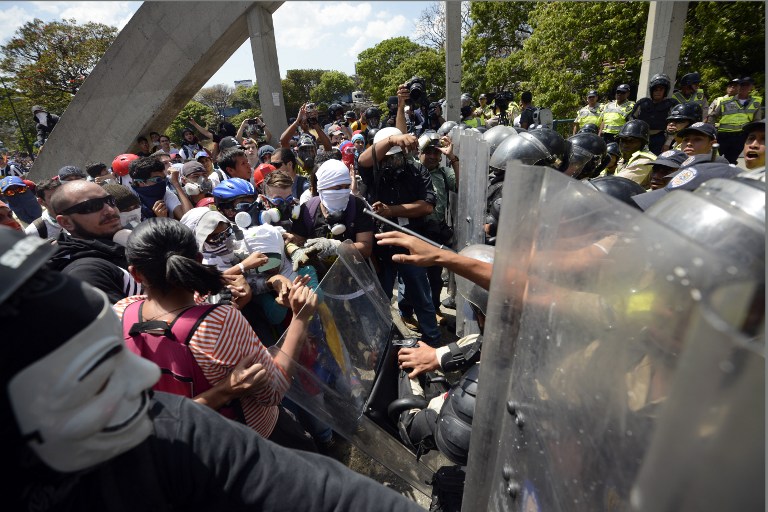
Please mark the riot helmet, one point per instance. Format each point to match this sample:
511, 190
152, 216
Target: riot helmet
613, 149
589, 128
373, 117
430, 138
496, 135
660, 79
466, 100
371, 134
446, 128
541, 146
587, 153
690, 79
333, 110
636, 128
473, 293
618, 187
685, 112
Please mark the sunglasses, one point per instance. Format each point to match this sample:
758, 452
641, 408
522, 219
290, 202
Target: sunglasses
221, 237
90, 206
278, 164
153, 180
278, 201
10, 192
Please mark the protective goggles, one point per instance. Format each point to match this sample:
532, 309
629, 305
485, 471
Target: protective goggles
220, 237
90, 206
279, 201
10, 192
154, 180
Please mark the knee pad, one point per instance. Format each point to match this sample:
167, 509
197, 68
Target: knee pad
454, 424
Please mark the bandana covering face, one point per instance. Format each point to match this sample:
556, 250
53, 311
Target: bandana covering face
85, 402
149, 196
25, 206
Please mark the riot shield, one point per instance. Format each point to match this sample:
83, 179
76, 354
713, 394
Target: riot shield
348, 341
474, 153
591, 305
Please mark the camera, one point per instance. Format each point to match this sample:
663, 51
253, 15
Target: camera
416, 87
503, 99
311, 107
252, 121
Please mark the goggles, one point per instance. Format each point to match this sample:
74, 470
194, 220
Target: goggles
152, 181
221, 237
279, 201
90, 206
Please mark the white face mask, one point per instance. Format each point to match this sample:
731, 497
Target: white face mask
86, 402
335, 200
131, 218
224, 250
42, 118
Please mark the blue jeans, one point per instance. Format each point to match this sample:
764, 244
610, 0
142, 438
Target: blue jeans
417, 294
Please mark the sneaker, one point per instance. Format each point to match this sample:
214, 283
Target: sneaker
410, 322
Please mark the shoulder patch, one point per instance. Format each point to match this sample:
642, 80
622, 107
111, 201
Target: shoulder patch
683, 177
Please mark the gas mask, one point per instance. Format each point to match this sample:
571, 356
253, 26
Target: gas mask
201, 186
393, 162
335, 220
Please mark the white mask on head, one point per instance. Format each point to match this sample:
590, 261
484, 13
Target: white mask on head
86, 402
335, 200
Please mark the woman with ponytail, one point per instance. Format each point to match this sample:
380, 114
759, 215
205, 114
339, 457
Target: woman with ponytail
236, 368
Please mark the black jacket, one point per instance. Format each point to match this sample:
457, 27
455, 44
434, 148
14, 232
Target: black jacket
43, 130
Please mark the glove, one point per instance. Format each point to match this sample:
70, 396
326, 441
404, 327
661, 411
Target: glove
300, 257
325, 247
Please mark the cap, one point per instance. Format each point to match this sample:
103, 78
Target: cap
593, 93
734, 81
200, 154
203, 222
205, 202
10, 181
746, 80
754, 126
350, 114
191, 167
672, 158
70, 170
266, 150
358, 136
705, 128
37, 108
334, 130
261, 172
306, 140
689, 178
228, 143
623, 87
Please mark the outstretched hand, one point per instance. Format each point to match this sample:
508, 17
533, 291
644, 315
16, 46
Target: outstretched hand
302, 298
421, 254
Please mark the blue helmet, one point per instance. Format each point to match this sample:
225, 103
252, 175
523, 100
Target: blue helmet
232, 188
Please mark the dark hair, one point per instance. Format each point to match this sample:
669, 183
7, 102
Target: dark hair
227, 158
141, 138
94, 169
154, 133
278, 179
164, 251
142, 168
45, 185
125, 200
285, 155
526, 97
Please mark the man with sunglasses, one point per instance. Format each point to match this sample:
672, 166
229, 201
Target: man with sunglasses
284, 159
90, 219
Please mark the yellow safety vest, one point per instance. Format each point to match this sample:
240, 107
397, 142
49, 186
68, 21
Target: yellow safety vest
734, 116
474, 122
587, 115
697, 97
615, 116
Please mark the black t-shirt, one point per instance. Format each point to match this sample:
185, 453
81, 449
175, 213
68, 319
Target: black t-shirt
320, 228
526, 117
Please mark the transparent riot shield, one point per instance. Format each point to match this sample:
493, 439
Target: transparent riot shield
591, 304
474, 154
348, 339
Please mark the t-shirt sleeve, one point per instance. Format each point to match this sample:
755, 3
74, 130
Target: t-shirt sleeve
171, 202
363, 222
116, 282
298, 227
425, 189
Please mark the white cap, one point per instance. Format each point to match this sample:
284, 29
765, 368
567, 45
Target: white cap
388, 132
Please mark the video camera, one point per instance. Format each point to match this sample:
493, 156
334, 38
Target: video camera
417, 91
503, 99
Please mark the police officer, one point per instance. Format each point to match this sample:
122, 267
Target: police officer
654, 110
733, 115
731, 90
484, 111
689, 93
588, 114
636, 161
680, 117
616, 113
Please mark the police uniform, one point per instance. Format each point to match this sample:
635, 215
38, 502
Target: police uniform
638, 168
732, 117
589, 115
697, 97
614, 117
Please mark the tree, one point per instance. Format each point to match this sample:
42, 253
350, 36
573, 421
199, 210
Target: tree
720, 52
427, 64
430, 27
565, 57
48, 62
333, 85
216, 96
202, 114
246, 98
381, 59
297, 86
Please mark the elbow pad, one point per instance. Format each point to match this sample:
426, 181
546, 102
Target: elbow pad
461, 357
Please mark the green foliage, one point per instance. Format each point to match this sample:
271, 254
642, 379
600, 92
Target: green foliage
427, 64
374, 63
245, 98
565, 56
333, 85
245, 114
203, 115
723, 40
48, 62
297, 86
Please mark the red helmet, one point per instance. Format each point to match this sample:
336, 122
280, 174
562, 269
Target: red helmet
261, 172
205, 202
121, 162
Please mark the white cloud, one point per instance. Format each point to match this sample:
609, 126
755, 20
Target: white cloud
382, 29
110, 13
14, 18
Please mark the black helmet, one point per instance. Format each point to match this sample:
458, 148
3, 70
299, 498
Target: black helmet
636, 128
350, 114
334, 107
541, 146
587, 152
429, 138
371, 134
589, 128
496, 135
392, 102
660, 79
685, 111
690, 79
613, 149
446, 128
619, 187
373, 113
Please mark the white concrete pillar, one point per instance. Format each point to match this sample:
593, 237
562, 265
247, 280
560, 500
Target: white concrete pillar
663, 37
452, 61
267, 67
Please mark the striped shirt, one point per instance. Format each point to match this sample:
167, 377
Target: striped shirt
223, 338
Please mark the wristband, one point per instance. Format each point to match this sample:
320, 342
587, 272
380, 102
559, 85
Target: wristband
241, 267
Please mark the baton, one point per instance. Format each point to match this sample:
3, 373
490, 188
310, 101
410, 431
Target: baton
406, 230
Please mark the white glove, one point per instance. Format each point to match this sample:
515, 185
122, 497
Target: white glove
325, 247
300, 257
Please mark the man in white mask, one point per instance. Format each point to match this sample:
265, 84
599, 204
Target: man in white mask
332, 217
82, 430
44, 122
194, 180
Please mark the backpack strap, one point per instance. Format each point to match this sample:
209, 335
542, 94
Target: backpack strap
42, 228
181, 329
184, 326
309, 213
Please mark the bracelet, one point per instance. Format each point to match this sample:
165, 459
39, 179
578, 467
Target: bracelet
241, 267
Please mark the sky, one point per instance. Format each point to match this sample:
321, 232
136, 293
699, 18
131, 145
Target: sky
317, 35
